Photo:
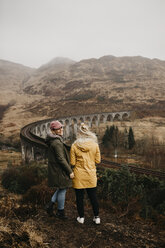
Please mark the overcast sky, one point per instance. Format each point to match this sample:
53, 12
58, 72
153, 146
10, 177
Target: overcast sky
32, 32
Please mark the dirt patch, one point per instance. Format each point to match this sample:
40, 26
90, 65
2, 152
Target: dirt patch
30, 226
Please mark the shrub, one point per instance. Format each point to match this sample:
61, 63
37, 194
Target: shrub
131, 140
123, 189
10, 180
153, 198
101, 98
119, 186
32, 175
38, 194
20, 179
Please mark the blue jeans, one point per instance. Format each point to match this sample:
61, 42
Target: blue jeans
59, 196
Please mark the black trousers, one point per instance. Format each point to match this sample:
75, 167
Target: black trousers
80, 200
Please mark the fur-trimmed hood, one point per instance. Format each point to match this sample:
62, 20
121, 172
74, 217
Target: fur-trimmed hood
84, 144
50, 137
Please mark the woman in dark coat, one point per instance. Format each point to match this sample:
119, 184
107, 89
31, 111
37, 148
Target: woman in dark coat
59, 170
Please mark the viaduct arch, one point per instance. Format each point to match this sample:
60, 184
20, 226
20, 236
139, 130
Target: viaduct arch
33, 135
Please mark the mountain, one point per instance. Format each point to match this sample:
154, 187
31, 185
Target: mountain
13, 75
107, 83
17, 108
64, 87
58, 63
39, 80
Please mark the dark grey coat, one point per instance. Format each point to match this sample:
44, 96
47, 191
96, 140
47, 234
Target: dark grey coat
59, 169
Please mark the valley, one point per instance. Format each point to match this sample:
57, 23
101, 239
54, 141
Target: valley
64, 87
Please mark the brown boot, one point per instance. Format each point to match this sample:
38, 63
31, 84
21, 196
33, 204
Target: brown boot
49, 208
61, 214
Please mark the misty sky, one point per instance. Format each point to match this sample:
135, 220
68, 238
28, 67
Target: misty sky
32, 32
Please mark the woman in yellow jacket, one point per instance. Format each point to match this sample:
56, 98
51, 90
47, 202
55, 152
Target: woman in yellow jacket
84, 154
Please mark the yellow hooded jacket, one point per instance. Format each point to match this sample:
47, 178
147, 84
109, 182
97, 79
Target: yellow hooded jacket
83, 156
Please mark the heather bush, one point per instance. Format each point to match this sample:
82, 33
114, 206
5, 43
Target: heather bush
153, 198
10, 180
38, 194
123, 189
20, 179
118, 185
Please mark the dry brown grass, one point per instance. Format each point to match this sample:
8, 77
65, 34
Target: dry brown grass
26, 225
17, 228
144, 129
4, 226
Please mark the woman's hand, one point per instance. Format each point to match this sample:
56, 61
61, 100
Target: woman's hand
72, 175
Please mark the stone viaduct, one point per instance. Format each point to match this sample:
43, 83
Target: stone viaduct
33, 135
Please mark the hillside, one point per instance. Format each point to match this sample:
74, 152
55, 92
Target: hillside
64, 87
13, 76
108, 83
